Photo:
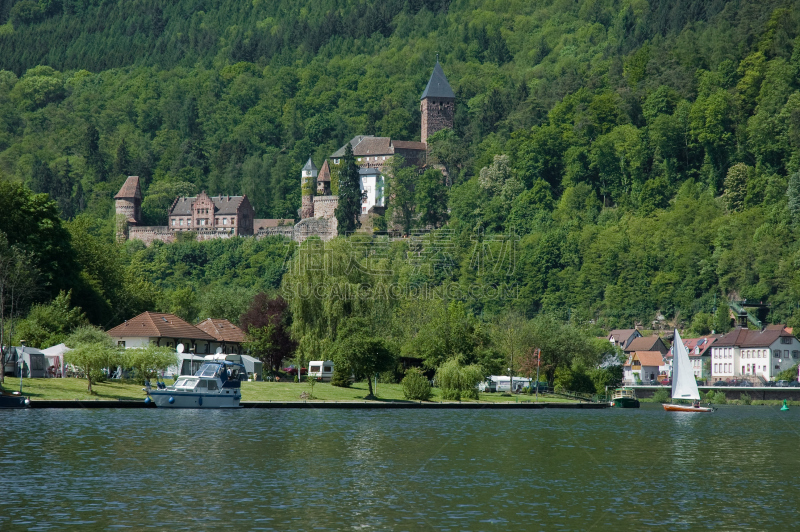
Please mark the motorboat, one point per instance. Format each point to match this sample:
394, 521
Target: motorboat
217, 384
624, 398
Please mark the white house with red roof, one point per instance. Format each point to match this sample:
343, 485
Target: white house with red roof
755, 354
647, 366
168, 330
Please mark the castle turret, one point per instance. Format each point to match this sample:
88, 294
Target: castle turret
437, 104
324, 180
128, 206
308, 184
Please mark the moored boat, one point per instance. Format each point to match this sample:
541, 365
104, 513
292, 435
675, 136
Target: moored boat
13, 400
216, 384
684, 385
624, 398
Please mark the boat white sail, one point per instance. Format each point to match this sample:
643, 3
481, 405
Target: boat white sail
683, 384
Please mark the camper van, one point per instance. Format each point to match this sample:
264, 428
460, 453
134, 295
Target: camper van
502, 383
322, 370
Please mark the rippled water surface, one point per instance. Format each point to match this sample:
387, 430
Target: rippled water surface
399, 470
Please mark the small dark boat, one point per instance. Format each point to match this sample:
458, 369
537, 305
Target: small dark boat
13, 400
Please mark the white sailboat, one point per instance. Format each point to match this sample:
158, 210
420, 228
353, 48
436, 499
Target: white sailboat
683, 384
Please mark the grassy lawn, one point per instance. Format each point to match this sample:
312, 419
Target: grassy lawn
75, 389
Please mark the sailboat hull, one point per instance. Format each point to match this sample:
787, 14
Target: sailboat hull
682, 408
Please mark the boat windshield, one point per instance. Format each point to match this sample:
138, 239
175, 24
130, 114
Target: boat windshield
186, 383
208, 370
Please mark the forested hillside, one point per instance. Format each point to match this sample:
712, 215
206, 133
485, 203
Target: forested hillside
645, 153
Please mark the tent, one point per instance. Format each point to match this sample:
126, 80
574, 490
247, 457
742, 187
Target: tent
55, 359
30, 360
253, 365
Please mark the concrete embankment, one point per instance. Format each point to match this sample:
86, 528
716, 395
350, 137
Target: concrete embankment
731, 392
390, 405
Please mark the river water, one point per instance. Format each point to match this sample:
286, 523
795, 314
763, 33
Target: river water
399, 470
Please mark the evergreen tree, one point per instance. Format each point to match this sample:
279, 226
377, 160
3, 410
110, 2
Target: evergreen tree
722, 319
793, 191
122, 160
431, 196
350, 195
736, 187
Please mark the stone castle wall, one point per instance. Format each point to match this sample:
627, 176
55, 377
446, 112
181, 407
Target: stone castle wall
324, 228
325, 206
307, 207
149, 234
437, 114
280, 230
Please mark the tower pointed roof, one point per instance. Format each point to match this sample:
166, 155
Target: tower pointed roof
438, 87
325, 172
130, 189
309, 167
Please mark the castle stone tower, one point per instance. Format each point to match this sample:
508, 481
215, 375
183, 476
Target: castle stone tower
437, 104
308, 184
128, 206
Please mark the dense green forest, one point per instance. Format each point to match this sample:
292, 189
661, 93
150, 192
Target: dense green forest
645, 154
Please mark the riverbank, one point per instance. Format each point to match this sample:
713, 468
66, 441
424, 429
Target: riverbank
277, 392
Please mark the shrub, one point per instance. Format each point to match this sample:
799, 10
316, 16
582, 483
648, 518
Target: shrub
745, 399
719, 398
340, 378
457, 381
661, 396
416, 386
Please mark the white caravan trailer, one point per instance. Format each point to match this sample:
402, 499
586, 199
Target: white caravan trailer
322, 370
502, 382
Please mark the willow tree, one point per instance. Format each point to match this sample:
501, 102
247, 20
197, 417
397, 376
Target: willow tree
92, 350
327, 283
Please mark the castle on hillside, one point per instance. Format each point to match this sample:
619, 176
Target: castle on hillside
209, 217
373, 154
227, 216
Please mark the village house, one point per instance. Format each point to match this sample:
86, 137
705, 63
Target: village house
168, 330
755, 355
646, 343
644, 366
228, 336
622, 337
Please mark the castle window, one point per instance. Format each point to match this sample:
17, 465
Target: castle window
188, 222
181, 222
232, 221
216, 221
336, 161
174, 221
359, 159
224, 221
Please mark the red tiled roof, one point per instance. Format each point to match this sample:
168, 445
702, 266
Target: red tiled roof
645, 343
158, 325
222, 330
130, 189
259, 223
325, 172
409, 145
650, 358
